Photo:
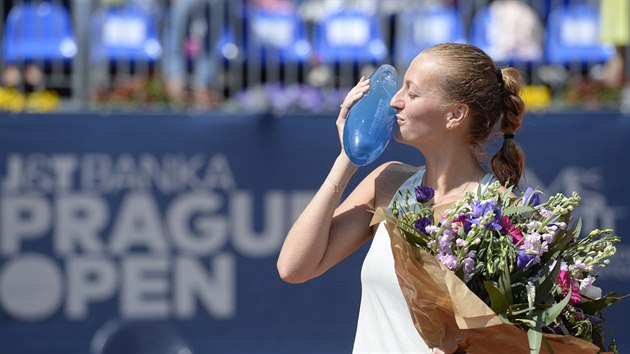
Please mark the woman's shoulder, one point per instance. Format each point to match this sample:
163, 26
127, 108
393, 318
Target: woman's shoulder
389, 177
395, 172
397, 168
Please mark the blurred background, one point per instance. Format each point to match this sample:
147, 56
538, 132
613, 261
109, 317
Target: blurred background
294, 55
154, 153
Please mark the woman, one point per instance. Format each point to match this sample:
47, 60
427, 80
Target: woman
451, 99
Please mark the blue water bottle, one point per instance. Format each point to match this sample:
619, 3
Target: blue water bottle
371, 122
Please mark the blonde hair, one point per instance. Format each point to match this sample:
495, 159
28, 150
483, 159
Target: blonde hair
491, 94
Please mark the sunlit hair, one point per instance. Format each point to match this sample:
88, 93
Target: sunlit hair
472, 78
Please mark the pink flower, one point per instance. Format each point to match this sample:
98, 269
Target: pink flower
564, 281
507, 228
461, 221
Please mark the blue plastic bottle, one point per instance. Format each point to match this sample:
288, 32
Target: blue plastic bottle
371, 122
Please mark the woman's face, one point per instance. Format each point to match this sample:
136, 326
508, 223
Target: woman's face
422, 108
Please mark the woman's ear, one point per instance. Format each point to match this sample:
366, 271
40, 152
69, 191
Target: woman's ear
457, 115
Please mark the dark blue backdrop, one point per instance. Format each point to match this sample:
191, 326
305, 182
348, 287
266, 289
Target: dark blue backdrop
178, 220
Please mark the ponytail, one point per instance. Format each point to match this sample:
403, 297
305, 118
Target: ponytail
508, 163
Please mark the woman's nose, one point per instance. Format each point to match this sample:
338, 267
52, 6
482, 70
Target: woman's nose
396, 101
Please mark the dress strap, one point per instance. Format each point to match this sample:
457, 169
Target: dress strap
411, 182
486, 180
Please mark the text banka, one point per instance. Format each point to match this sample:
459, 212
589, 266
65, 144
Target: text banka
156, 234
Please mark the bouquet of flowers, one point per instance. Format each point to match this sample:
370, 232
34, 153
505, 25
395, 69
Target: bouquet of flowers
501, 271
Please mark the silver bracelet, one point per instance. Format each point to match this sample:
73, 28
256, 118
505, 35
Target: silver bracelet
338, 187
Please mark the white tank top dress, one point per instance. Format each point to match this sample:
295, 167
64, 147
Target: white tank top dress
384, 324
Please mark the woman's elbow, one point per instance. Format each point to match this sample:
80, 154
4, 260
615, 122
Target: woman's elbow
290, 274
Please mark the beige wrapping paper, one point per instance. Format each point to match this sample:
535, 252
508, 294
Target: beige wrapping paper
449, 316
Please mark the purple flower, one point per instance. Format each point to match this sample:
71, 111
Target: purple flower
480, 209
424, 194
531, 197
524, 260
593, 320
422, 223
449, 261
469, 265
445, 241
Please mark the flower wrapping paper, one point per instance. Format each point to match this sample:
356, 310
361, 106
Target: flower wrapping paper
449, 316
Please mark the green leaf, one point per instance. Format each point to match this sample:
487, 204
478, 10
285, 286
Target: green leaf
544, 289
505, 285
595, 306
509, 211
550, 314
578, 228
498, 302
534, 338
572, 233
563, 238
521, 311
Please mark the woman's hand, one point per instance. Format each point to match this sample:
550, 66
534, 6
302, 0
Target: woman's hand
351, 98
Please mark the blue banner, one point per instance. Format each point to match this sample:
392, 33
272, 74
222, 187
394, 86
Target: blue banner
164, 230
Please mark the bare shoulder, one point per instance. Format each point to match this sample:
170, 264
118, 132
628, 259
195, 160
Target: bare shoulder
388, 178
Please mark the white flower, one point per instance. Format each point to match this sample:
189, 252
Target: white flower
592, 292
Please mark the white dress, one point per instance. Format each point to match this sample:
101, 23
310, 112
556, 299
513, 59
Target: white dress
384, 324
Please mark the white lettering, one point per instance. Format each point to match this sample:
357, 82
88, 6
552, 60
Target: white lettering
80, 218
89, 280
14, 177
217, 293
21, 218
96, 172
144, 288
191, 225
149, 166
188, 172
32, 287
245, 239
125, 174
64, 167
138, 224
218, 174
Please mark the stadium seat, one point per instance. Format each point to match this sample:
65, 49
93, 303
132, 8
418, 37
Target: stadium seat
349, 36
281, 36
38, 31
420, 29
573, 36
510, 32
125, 32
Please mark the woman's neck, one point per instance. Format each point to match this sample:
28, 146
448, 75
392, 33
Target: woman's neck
451, 174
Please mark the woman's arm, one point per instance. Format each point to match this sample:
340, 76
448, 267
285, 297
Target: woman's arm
324, 234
